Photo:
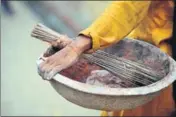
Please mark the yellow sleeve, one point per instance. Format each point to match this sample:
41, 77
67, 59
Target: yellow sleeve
116, 22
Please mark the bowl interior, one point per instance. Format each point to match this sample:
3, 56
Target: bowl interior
131, 49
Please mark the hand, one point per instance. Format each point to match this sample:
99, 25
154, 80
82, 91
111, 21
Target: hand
63, 58
57, 62
61, 42
57, 45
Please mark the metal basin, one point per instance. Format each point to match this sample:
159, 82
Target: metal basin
70, 83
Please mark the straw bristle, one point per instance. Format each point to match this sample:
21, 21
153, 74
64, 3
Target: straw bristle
44, 33
135, 73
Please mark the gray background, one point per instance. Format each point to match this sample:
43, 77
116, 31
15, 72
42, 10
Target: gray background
23, 92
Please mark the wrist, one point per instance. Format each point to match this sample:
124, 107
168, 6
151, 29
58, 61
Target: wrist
82, 44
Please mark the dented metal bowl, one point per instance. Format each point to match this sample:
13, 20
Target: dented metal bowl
105, 98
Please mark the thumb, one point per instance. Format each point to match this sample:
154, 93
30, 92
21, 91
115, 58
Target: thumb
55, 43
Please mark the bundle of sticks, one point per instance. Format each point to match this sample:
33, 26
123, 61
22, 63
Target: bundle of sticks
137, 74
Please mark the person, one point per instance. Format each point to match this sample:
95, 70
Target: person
150, 21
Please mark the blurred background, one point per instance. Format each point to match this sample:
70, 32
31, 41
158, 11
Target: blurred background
23, 92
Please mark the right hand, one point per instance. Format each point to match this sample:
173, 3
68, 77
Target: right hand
57, 45
61, 42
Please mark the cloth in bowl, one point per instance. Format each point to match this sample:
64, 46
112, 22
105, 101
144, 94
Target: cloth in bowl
104, 78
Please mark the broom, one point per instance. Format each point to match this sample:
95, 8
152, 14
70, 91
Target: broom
135, 73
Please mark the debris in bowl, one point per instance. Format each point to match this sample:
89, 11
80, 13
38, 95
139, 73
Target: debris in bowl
87, 72
103, 78
131, 52
90, 73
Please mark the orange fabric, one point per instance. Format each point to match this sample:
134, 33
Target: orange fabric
161, 105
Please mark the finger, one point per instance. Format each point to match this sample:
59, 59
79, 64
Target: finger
56, 43
38, 70
53, 72
46, 62
48, 67
45, 75
38, 66
47, 70
44, 58
42, 68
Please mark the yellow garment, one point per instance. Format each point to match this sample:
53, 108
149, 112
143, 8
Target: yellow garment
105, 114
150, 21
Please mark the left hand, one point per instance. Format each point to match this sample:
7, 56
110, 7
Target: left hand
64, 58
57, 62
